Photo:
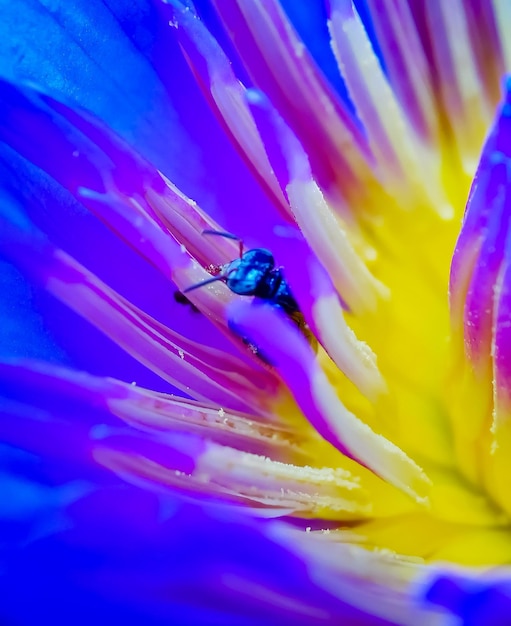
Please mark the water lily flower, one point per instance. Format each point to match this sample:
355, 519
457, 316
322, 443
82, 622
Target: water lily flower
317, 432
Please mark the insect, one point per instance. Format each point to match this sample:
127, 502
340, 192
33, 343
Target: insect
254, 274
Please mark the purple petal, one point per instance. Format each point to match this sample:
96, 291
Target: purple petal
457, 76
75, 54
149, 341
267, 43
406, 63
198, 565
128, 194
273, 334
477, 601
146, 410
225, 94
480, 299
486, 212
314, 216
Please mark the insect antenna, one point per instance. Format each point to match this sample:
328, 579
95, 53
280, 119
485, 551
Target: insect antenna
221, 233
208, 281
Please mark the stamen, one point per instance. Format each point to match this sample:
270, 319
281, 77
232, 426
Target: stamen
502, 11
146, 410
226, 96
462, 93
318, 401
323, 311
210, 469
407, 169
186, 222
325, 492
281, 66
407, 65
323, 231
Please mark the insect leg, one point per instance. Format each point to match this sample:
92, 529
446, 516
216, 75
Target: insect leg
221, 233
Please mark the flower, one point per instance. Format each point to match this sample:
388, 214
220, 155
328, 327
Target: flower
344, 439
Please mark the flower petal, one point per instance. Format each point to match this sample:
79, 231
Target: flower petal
475, 600
116, 553
406, 64
152, 343
318, 401
463, 97
320, 305
267, 43
149, 411
126, 192
324, 231
78, 59
408, 169
479, 275
225, 94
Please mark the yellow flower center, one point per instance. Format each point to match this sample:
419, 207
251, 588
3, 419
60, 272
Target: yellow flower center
436, 405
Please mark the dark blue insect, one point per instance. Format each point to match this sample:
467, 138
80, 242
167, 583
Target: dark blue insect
254, 274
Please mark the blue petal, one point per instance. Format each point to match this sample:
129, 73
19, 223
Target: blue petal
150, 98
34, 324
157, 109
100, 57
478, 601
117, 562
310, 20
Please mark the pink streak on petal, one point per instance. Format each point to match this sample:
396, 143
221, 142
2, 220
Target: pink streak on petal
487, 204
132, 181
501, 349
463, 96
170, 257
144, 223
282, 67
314, 217
486, 43
206, 373
142, 207
149, 411
289, 352
186, 221
479, 299
406, 63
225, 95
100, 169
179, 452
167, 255
322, 309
